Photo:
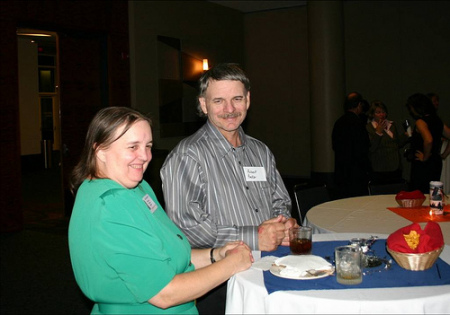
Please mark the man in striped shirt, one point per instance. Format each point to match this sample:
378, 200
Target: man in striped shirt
220, 184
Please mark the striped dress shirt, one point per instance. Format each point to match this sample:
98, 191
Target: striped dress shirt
206, 192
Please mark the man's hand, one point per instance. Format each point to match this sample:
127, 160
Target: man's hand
271, 233
290, 223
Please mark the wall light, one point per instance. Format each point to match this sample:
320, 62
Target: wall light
205, 65
34, 34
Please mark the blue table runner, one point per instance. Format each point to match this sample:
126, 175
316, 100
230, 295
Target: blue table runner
396, 276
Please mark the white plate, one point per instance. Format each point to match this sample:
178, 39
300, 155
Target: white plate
275, 270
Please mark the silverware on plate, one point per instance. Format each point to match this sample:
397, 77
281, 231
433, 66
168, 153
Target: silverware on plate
318, 273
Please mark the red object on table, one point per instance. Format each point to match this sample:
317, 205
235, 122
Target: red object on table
416, 194
431, 238
422, 214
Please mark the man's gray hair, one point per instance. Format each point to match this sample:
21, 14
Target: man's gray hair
221, 72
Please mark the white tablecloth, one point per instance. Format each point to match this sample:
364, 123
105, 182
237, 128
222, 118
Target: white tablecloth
247, 294
368, 214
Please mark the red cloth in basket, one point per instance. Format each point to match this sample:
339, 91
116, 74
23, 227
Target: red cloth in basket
431, 238
416, 194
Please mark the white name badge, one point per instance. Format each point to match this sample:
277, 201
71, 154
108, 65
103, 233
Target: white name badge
255, 174
150, 203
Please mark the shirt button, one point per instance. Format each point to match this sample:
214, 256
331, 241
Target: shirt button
256, 210
246, 187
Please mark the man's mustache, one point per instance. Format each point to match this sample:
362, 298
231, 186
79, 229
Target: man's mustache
230, 115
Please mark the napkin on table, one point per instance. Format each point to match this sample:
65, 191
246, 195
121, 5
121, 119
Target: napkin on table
431, 238
264, 263
296, 266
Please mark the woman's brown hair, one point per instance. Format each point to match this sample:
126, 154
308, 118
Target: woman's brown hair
101, 134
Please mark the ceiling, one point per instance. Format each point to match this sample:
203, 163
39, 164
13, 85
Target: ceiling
255, 6
49, 43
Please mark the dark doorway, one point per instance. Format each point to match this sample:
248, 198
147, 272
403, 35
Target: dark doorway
42, 197
69, 96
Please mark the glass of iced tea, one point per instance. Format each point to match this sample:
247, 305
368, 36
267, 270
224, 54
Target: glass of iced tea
300, 240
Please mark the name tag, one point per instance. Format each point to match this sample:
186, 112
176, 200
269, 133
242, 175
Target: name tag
150, 203
255, 174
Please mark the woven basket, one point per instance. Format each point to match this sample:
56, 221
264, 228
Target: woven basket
415, 262
410, 203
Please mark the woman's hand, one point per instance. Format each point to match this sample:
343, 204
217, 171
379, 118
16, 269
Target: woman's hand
240, 256
222, 251
420, 156
380, 127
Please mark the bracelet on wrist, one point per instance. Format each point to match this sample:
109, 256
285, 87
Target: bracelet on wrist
211, 256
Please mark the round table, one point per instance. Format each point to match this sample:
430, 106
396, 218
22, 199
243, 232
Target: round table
367, 214
247, 294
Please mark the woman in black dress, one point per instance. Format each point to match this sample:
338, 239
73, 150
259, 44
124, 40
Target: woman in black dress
426, 142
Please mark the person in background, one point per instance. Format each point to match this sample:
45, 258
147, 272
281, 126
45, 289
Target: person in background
222, 185
351, 143
434, 99
445, 174
426, 142
445, 150
385, 143
127, 255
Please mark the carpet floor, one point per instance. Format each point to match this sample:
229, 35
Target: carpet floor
35, 270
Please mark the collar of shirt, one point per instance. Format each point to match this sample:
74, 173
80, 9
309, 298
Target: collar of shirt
222, 143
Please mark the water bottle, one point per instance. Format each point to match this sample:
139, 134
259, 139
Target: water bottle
407, 127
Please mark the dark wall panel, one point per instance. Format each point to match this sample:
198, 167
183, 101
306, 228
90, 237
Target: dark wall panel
103, 22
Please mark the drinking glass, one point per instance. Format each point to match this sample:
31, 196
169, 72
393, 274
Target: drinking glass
348, 264
300, 240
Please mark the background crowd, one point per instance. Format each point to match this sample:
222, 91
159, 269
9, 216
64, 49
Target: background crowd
370, 148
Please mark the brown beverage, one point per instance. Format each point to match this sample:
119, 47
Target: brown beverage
301, 246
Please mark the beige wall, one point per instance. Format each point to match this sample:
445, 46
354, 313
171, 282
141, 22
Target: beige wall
393, 49
206, 30
276, 60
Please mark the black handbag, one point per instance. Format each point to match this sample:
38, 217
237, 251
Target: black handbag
409, 154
